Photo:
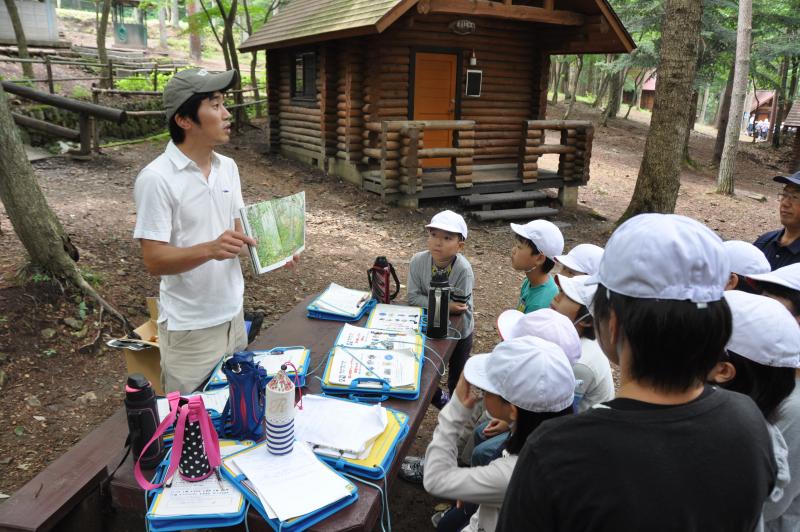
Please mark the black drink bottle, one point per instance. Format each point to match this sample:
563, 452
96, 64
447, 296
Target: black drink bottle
140, 406
438, 305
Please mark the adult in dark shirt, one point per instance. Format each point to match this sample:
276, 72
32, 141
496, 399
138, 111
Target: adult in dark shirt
669, 453
782, 246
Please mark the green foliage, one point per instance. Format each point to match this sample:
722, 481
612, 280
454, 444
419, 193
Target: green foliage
19, 431
94, 279
143, 82
79, 92
82, 310
39, 278
49, 353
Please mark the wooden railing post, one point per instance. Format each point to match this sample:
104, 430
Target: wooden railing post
384, 162
110, 74
410, 163
86, 134
464, 139
50, 85
95, 127
532, 139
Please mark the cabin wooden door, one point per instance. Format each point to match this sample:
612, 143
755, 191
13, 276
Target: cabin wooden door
435, 99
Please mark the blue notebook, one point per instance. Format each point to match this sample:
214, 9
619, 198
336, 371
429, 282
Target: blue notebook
374, 365
271, 360
231, 471
210, 503
338, 303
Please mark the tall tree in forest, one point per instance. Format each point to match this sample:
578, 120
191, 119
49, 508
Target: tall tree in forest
102, 55
741, 72
48, 245
19, 33
573, 91
658, 181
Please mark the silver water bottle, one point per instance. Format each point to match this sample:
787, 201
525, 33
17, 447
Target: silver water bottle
438, 305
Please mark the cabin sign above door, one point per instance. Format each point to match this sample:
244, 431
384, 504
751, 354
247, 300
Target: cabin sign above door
462, 26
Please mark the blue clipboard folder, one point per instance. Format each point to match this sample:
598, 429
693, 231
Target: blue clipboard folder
377, 462
163, 516
364, 362
337, 303
230, 471
271, 359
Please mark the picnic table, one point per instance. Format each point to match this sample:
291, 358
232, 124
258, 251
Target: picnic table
57, 495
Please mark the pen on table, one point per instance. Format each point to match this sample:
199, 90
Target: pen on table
219, 478
363, 300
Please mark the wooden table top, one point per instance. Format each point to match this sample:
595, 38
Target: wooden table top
294, 328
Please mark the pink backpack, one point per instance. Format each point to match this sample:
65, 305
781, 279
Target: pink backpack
195, 448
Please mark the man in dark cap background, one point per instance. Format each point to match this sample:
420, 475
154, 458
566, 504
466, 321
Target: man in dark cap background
782, 246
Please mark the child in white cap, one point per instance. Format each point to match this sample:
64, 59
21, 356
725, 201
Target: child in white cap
447, 234
525, 381
669, 452
547, 324
583, 259
536, 245
761, 361
782, 285
746, 260
592, 369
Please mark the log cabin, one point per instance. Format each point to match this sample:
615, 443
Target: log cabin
416, 99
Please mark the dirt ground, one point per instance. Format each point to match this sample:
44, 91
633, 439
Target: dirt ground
59, 380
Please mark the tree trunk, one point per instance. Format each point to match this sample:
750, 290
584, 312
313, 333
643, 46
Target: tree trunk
19, 33
722, 118
574, 89
195, 44
37, 227
556, 83
690, 127
637, 82
779, 106
658, 181
727, 164
175, 19
102, 56
568, 68
614, 97
601, 92
705, 104
793, 83
253, 61
162, 27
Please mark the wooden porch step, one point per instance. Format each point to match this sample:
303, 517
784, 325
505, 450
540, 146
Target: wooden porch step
474, 200
514, 214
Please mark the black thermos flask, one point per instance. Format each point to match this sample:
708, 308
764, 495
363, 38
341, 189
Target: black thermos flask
438, 305
140, 405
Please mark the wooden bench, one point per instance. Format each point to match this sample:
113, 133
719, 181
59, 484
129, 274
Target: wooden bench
68, 483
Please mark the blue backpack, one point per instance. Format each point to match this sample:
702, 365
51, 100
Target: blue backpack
244, 411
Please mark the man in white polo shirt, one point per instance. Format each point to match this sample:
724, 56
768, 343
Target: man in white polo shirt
187, 222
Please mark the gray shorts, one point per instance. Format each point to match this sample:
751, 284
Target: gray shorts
189, 357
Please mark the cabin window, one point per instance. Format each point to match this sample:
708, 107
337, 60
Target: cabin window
304, 76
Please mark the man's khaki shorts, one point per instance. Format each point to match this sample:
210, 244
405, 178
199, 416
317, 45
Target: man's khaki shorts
189, 357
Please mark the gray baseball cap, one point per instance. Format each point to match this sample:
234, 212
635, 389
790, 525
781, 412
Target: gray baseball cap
189, 82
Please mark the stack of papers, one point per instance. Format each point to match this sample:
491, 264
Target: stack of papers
321, 420
340, 301
213, 400
290, 485
395, 318
209, 497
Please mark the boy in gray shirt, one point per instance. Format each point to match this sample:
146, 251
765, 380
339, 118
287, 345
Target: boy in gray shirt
447, 233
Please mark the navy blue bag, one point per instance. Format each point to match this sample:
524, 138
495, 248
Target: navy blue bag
244, 411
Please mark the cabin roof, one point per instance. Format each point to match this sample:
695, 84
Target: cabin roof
793, 118
311, 21
761, 98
